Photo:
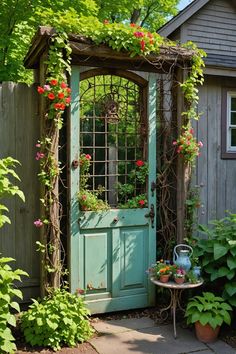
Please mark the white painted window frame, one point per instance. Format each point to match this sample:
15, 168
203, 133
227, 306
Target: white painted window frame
230, 148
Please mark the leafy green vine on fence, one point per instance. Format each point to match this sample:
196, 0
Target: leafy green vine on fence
8, 276
118, 36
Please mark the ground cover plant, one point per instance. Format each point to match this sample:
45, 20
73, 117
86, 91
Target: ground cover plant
59, 319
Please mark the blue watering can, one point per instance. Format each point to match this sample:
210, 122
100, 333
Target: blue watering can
182, 257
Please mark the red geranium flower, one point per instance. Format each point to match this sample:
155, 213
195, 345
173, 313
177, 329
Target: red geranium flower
88, 157
142, 44
63, 85
53, 82
68, 99
133, 25
51, 96
139, 163
141, 202
60, 95
40, 89
68, 90
63, 106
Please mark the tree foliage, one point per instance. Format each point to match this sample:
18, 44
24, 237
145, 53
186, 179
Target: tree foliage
19, 20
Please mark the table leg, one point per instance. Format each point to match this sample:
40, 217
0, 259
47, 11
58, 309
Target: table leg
165, 309
174, 295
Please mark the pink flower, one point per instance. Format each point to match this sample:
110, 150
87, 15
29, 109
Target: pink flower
191, 131
174, 142
139, 163
37, 145
138, 34
68, 100
38, 223
39, 155
84, 197
47, 87
200, 144
68, 90
63, 85
88, 157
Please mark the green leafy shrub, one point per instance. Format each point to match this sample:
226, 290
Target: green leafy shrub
7, 189
217, 254
208, 309
60, 319
7, 293
7, 275
89, 201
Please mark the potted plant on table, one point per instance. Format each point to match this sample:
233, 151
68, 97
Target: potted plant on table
162, 271
207, 312
179, 275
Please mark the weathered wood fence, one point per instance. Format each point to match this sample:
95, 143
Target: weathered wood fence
19, 132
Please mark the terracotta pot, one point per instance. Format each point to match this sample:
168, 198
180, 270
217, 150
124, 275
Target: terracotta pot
179, 280
206, 334
164, 278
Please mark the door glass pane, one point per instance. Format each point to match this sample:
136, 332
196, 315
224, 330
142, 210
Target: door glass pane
113, 131
233, 137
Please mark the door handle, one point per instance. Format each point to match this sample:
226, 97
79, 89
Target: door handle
151, 215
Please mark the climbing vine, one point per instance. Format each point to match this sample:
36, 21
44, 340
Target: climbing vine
135, 40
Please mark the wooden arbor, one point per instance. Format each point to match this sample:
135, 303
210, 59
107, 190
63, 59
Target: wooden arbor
110, 251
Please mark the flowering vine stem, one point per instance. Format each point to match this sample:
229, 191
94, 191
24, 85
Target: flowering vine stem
135, 40
57, 94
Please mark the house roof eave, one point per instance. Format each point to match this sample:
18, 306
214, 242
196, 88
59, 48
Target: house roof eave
182, 16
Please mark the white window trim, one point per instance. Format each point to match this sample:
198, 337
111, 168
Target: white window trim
230, 148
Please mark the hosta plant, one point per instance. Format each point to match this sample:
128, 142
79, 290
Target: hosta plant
60, 319
208, 309
217, 254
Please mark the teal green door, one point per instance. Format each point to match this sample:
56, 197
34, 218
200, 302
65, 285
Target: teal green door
113, 126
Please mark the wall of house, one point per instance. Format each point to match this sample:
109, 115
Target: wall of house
213, 28
215, 175
19, 132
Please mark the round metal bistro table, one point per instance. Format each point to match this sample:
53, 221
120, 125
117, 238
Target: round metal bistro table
175, 293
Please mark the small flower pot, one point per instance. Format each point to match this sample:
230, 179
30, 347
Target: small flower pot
164, 278
180, 280
206, 334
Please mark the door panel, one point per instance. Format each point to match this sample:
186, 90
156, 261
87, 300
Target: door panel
112, 249
133, 262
